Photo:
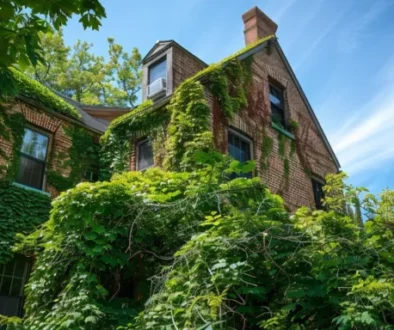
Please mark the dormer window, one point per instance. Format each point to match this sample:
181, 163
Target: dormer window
157, 78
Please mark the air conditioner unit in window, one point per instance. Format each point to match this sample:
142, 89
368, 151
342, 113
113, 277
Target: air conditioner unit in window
157, 88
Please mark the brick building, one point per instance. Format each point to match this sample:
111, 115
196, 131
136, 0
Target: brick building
277, 111
275, 97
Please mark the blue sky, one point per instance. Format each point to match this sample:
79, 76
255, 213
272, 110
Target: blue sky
342, 52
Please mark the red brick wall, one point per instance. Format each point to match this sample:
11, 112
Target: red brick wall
311, 155
184, 65
60, 142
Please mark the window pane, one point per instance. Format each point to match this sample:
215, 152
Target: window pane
31, 172
6, 285
35, 144
145, 155
158, 70
19, 268
318, 194
16, 287
9, 269
10, 306
238, 148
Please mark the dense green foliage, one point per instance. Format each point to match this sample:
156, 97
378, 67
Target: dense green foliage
11, 129
35, 91
225, 255
21, 211
83, 155
22, 20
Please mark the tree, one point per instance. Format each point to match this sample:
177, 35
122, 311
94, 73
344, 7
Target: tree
20, 23
124, 72
82, 74
88, 78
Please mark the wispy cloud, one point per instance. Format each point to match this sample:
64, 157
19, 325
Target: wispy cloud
352, 34
323, 34
366, 140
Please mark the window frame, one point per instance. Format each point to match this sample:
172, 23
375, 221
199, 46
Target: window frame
23, 278
44, 162
243, 137
282, 90
138, 144
156, 63
316, 180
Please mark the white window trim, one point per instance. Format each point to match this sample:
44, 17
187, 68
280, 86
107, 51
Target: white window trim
137, 154
244, 137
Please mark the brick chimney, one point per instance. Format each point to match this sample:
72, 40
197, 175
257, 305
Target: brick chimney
257, 25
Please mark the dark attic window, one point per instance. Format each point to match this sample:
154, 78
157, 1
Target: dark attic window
277, 105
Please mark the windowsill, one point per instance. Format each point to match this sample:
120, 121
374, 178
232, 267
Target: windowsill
19, 185
282, 130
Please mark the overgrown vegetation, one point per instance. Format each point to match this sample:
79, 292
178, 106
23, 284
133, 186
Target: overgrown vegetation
35, 91
21, 211
83, 155
204, 252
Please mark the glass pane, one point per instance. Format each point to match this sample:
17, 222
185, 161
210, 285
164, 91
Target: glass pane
9, 269
6, 285
16, 287
145, 155
158, 70
31, 172
19, 268
238, 148
276, 96
35, 144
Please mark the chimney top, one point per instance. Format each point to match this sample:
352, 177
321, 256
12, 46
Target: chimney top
257, 25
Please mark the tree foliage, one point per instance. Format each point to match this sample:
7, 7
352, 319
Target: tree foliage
21, 22
86, 77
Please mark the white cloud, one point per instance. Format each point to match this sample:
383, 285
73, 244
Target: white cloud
366, 139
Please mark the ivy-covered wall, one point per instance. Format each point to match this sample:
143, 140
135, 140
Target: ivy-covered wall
72, 149
233, 93
21, 211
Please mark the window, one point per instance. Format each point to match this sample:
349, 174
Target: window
277, 106
144, 155
158, 70
239, 148
33, 156
12, 281
318, 193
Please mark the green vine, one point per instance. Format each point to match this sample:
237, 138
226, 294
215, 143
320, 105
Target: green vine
81, 156
33, 90
12, 130
266, 149
21, 211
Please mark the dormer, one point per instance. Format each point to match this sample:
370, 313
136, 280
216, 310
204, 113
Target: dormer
165, 67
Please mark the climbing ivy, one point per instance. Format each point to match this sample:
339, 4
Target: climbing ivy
21, 211
12, 130
82, 156
33, 90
